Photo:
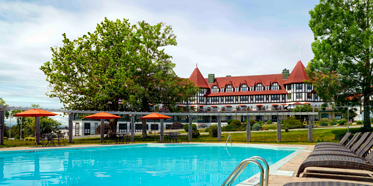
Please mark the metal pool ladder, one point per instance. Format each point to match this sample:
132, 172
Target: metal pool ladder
229, 137
241, 167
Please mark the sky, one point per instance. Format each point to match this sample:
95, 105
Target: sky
242, 37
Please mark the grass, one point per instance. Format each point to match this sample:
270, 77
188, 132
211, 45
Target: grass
291, 137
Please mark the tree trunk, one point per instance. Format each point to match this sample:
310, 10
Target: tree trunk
144, 134
367, 114
113, 122
145, 107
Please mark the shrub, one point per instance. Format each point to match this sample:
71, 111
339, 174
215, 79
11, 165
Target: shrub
342, 122
213, 131
207, 130
317, 123
235, 123
269, 122
257, 127
359, 122
186, 127
229, 121
271, 126
282, 121
29, 139
252, 122
261, 122
195, 133
229, 128
176, 125
292, 123
332, 122
324, 122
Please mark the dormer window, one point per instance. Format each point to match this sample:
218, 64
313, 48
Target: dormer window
215, 89
259, 87
251, 88
275, 86
267, 87
244, 88
222, 90
229, 88
237, 89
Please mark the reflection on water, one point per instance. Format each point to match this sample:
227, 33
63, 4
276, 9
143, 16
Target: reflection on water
184, 165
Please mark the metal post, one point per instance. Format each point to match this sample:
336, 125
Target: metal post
278, 129
190, 127
219, 128
10, 124
162, 130
102, 130
132, 128
248, 129
2, 125
20, 131
71, 117
310, 129
348, 120
37, 130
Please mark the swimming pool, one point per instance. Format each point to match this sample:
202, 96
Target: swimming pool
144, 164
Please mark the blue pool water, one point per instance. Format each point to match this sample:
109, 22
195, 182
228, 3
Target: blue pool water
147, 164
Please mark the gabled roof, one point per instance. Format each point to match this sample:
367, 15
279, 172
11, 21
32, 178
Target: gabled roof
198, 79
298, 75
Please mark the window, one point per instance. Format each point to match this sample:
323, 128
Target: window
309, 96
201, 99
289, 96
244, 88
309, 86
207, 99
244, 98
229, 117
229, 88
77, 129
236, 98
259, 87
215, 89
222, 90
275, 86
251, 88
202, 92
267, 87
215, 99
298, 86
299, 95
316, 97
122, 127
283, 97
228, 98
288, 87
237, 89
267, 97
222, 99
251, 98
259, 98
275, 97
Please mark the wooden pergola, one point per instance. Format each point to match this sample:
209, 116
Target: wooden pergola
190, 116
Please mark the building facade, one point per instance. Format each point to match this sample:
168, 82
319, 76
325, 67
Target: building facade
259, 93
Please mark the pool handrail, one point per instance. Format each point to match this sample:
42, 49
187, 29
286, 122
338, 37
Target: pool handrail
267, 168
229, 137
238, 170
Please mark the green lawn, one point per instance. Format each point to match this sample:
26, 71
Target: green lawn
292, 137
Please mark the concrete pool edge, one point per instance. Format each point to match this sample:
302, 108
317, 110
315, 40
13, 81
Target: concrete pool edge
274, 169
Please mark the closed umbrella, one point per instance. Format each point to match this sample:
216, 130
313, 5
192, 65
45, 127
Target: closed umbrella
102, 116
155, 116
35, 113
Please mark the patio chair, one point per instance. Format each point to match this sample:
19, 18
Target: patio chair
348, 145
338, 161
49, 137
341, 142
355, 151
323, 183
173, 137
60, 136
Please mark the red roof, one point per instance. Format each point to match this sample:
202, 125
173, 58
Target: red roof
298, 75
250, 81
198, 79
247, 93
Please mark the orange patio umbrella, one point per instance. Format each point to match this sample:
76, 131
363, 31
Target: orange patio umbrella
102, 116
297, 103
306, 103
156, 116
36, 113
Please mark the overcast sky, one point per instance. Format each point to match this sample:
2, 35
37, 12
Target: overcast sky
223, 37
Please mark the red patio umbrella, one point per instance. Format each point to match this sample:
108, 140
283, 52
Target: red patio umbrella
155, 116
297, 103
102, 116
306, 103
35, 113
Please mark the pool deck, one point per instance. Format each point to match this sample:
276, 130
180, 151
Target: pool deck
274, 179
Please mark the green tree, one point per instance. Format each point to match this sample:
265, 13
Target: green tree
117, 67
3, 103
342, 50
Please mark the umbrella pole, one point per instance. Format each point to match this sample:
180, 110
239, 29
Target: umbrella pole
37, 130
154, 130
102, 130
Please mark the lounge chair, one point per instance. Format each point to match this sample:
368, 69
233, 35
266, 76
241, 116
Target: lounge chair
348, 145
341, 143
357, 150
324, 183
337, 161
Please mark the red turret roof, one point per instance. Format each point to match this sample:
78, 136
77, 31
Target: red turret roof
298, 75
198, 79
